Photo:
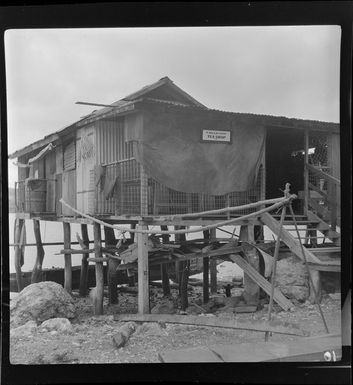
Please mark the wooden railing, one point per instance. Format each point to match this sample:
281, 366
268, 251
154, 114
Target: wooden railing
322, 194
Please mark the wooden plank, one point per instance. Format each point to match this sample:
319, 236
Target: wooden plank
67, 257
205, 272
306, 172
274, 326
69, 191
199, 354
288, 239
323, 174
262, 282
142, 250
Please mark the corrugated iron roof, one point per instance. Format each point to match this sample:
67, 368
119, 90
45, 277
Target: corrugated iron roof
128, 104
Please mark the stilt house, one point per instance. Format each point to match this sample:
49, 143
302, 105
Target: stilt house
160, 152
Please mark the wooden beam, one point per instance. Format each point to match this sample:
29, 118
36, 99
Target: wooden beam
98, 305
37, 269
84, 243
323, 174
288, 239
213, 266
18, 253
112, 275
262, 282
205, 272
67, 257
251, 288
164, 269
274, 326
143, 273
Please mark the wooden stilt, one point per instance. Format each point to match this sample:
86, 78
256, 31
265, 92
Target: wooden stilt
183, 274
164, 267
132, 235
18, 256
213, 266
37, 269
315, 286
206, 296
84, 262
98, 305
68, 261
251, 289
143, 273
112, 275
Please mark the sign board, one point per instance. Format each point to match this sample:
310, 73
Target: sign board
216, 136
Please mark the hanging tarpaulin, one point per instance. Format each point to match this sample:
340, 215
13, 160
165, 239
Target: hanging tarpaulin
40, 155
200, 152
43, 152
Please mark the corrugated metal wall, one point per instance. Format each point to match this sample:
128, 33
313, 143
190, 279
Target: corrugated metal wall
111, 145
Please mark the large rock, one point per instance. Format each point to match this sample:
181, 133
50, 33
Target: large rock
292, 278
39, 302
26, 330
61, 325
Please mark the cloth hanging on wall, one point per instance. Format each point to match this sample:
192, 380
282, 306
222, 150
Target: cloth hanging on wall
171, 149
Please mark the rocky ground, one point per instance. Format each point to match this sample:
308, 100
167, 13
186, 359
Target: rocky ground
89, 339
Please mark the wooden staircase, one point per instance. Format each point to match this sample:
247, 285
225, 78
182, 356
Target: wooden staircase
321, 244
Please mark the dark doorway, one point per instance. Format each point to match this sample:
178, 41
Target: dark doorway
284, 162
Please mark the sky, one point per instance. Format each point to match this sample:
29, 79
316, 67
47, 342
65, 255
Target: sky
290, 71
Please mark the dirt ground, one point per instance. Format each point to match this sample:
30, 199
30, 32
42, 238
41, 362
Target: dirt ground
91, 340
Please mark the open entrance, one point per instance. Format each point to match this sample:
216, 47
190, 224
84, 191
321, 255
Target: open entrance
285, 163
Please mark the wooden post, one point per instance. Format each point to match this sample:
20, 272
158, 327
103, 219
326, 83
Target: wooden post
164, 266
251, 289
213, 266
132, 235
84, 262
18, 253
206, 296
143, 191
306, 171
98, 305
314, 286
37, 269
183, 274
143, 289
112, 275
68, 262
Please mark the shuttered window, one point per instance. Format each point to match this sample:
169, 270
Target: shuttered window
69, 161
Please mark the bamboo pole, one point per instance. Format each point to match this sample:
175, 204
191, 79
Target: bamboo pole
98, 303
37, 269
68, 261
84, 262
280, 202
112, 276
18, 228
